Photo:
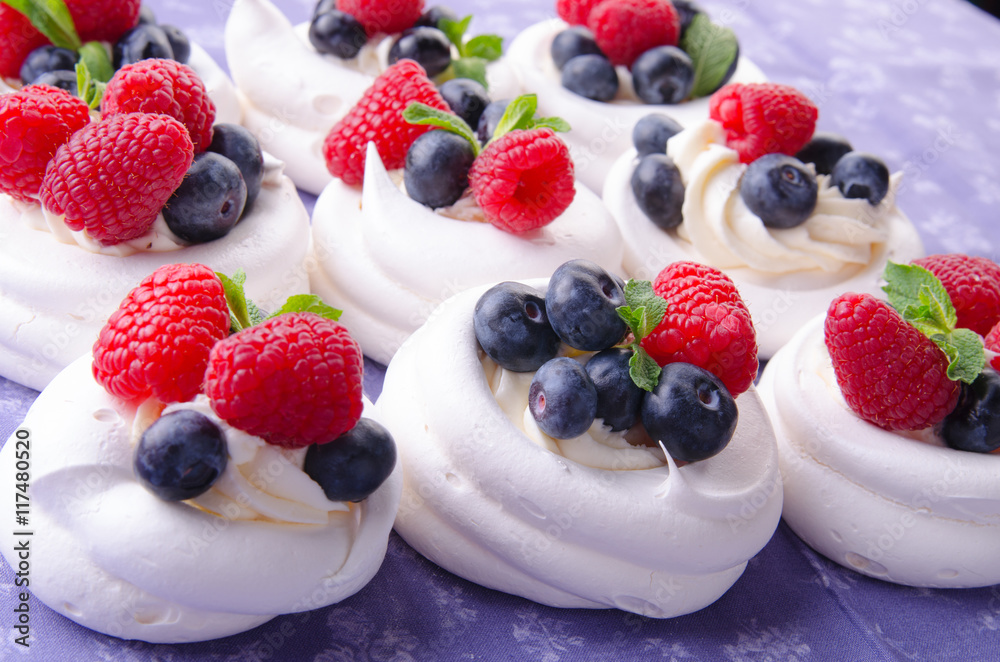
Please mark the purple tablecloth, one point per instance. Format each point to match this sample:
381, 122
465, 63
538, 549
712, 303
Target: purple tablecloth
914, 81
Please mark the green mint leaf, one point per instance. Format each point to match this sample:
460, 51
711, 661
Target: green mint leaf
455, 30
554, 123
632, 317
929, 327
421, 113
965, 352
486, 46
473, 68
939, 310
89, 90
712, 49
95, 57
639, 294
643, 370
519, 115
239, 310
905, 290
307, 303
51, 18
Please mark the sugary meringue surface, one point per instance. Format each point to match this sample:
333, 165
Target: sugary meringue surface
899, 507
488, 503
388, 261
113, 557
602, 131
785, 277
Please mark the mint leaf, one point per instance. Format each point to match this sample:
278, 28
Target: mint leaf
518, 115
712, 49
965, 352
643, 370
486, 46
307, 303
421, 113
455, 30
643, 311
51, 18
241, 311
473, 68
95, 57
554, 123
905, 291
89, 90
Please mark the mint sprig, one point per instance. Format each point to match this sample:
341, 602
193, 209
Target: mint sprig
244, 313
520, 114
920, 298
713, 49
51, 18
421, 113
307, 303
93, 72
643, 311
474, 54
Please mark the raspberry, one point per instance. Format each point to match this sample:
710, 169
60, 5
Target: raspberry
575, 12
157, 342
378, 117
18, 37
112, 177
34, 122
383, 15
763, 118
293, 380
706, 324
523, 180
167, 87
625, 29
889, 373
992, 343
103, 20
973, 283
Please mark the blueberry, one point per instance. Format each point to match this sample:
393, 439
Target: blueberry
208, 202
690, 411
431, 18
618, 398
337, 33
512, 327
489, 120
141, 42
664, 74
241, 147
581, 303
780, 189
573, 41
562, 399
466, 98
659, 190
353, 465
323, 6
591, 76
179, 42
686, 10
860, 175
146, 15
180, 455
428, 46
651, 133
437, 168
974, 424
45, 59
823, 151
61, 78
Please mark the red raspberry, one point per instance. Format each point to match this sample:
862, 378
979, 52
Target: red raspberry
523, 180
763, 118
113, 177
625, 29
575, 12
383, 15
18, 37
973, 283
293, 380
167, 87
378, 117
706, 324
157, 342
34, 122
992, 343
889, 373
103, 20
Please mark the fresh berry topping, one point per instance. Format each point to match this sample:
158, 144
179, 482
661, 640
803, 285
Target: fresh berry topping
973, 283
378, 117
432, 17
324, 6
47, 58
974, 424
141, 43
429, 47
113, 177
691, 412
103, 20
581, 303
466, 98
241, 147
618, 398
624, 29
763, 118
575, 12
664, 74
889, 373
562, 399
180, 456
61, 78
157, 342
706, 324
490, 119
167, 87
780, 190
146, 15
337, 33
863, 176
355, 464
179, 43
686, 10
34, 122
591, 76
571, 42
209, 201
383, 15
651, 133
659, 190
824, 150
292, 380
523, 179
512, 327
19, 38
437, 168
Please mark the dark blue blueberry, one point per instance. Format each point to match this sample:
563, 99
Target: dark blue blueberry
490, 118
860, 175
562, 399
466, 98
690, 411
141, 42
208, 202
355, 464
974, 424
146, 15
324, 6
571, 42
780, 189
582, 302
664, 74
591, 76
241, 147
651, 133
431, 18
64, 80
659, 190
179, 42
180, 455
823, 151
618, 398
437, 168
428, 46
337, 33
686, 10
512, 327
45, 59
